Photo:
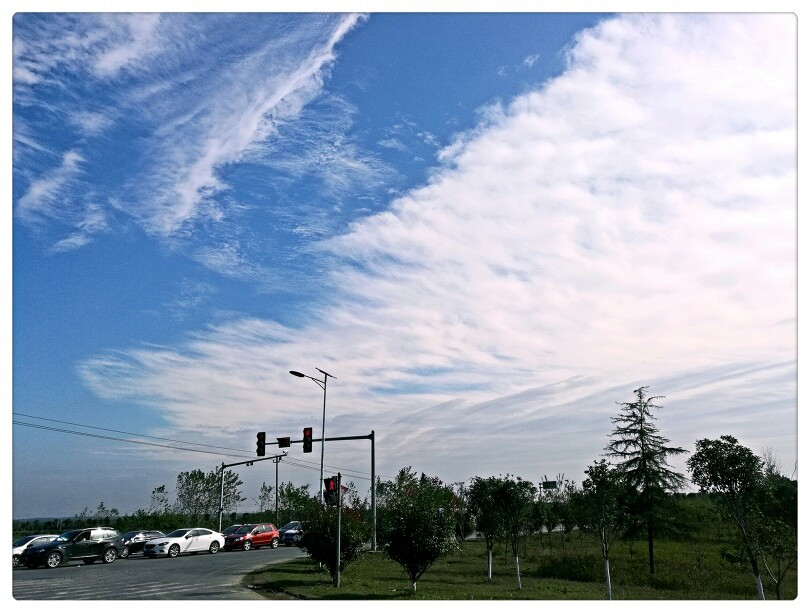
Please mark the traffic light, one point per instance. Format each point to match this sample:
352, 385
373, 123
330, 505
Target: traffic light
307, 440
260, 443
330, 490
283, 441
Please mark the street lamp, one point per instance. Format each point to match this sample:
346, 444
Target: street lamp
326, 375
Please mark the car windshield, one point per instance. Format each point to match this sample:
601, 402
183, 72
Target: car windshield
177, 533
68, 536
291, 526
245, 529
23, 541
129, 535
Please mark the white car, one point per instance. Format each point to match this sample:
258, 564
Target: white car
21, 544
184, 540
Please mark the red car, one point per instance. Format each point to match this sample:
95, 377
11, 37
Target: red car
253, 536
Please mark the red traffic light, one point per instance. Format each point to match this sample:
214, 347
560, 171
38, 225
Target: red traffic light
307, 440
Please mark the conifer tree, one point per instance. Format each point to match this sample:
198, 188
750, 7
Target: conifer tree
642, 459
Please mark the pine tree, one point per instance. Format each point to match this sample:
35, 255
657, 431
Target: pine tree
642, 458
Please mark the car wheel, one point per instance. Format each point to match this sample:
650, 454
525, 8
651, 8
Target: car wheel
247, 545
54, 559
215, 547
15, 560
124, 552
90, 561
109, 555
274, 543
174, 550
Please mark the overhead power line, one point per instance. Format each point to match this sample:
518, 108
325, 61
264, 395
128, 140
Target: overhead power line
299, 463
158, 438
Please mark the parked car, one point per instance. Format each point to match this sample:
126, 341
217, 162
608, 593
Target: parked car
253, 536
231, 529
134, 540
23, 543
291, 533
86, 544
184, 540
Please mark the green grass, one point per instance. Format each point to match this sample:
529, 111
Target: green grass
572, 570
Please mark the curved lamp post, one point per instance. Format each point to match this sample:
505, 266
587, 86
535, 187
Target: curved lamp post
322, 384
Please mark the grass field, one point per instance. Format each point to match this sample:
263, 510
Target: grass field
570, 570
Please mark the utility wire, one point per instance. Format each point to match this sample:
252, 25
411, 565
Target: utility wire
159, 438
115, 438
303, 463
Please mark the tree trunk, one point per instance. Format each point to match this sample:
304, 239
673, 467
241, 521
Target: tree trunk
650, 536
760, 591
609, 590
489, 562
413, 586
517, 571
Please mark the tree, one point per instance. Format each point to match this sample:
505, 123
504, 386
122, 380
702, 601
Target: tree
599, 510
486, 513
159, 503
515, 498
419, 524
293, 501
265, 497
780, 521
198, 493
642, 453
320, 537
733, 475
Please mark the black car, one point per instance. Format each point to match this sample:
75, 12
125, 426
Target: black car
134, 540
291, 533
231, 529
86, 544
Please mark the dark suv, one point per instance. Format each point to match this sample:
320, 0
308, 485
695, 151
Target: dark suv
86, 544
133, 541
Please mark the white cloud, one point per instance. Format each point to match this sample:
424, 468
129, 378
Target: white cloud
139, 41
92, 222
632, 222
45, 196
234, 120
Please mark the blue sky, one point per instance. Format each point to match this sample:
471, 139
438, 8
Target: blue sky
489, 227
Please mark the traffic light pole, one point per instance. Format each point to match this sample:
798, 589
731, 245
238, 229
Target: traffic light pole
373, 475
340, 506
275, 458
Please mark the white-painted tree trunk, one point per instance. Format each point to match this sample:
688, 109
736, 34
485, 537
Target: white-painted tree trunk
489, 563
760, 591
609, 589
517, 571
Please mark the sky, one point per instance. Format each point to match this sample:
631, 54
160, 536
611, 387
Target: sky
490, 228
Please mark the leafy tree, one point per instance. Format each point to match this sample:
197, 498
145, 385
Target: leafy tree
515, 497
488, 518
599, 510
198, 493
159, 503
780, 522
642, 453
733, 475
293, 502
461, 511
419, 524
320, 537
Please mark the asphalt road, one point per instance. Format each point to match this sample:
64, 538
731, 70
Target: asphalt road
203, 576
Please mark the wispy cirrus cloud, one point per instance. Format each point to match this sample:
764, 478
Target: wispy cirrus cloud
186, 126
43, 198
631, 222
